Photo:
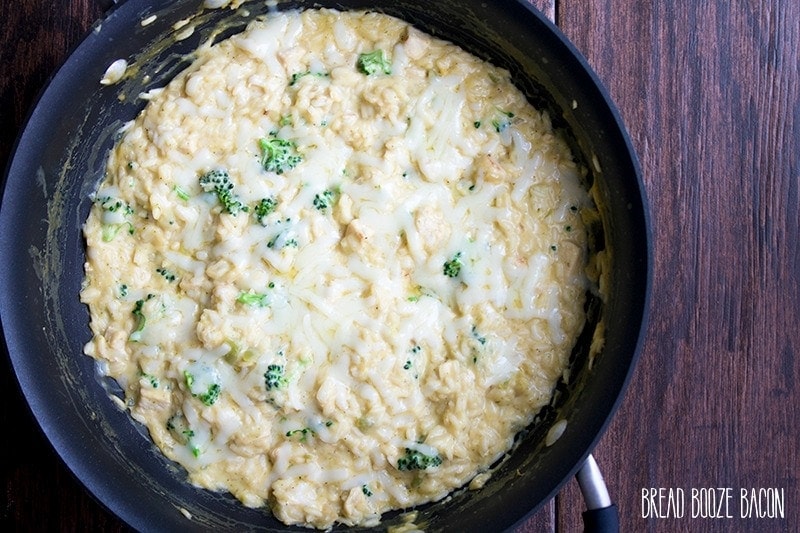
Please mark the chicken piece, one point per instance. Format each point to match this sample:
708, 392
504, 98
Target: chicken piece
433, 229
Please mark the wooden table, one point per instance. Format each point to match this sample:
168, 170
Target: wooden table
710, 93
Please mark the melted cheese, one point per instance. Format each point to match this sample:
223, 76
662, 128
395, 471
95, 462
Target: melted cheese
296, 358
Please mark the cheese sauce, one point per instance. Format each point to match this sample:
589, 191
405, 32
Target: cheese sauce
336, 265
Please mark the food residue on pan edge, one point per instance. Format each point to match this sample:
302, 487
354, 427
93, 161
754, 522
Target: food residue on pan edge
114, 72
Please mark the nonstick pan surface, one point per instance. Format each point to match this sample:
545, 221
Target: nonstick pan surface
60, 157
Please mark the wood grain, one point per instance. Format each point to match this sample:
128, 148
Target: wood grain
710, 92
41, 494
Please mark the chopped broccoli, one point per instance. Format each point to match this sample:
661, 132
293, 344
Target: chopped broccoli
475, 335
264, 208
502, 121
123, 290
141, 320
304, 433
323, 200
151, 379
416, 460
179, 427
168, 275
371, 62
410, 364
274, 378
253, 299
211, 395
239, 357
207, 390
181, 193
476, 350
281, 241
219, 182
111, 230
278, 155
286, 237
452, 268
116, 215
182, 433
115, 205
419, 292
366, 490
297, 75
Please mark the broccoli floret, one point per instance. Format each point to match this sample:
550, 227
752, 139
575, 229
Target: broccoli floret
123, 290
264, 208
366, 490
208, 396
253, 299
371, 62
323, 200
211, 395
274, 378
278, 155
452, 268
219, 182
416, 460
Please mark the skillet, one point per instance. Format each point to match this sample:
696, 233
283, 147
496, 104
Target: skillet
59, 159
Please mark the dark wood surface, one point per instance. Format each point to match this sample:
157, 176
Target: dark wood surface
710, 93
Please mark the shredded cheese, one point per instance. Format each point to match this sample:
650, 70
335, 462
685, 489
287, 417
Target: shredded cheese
364, 324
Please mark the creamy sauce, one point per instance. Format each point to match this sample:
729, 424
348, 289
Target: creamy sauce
333, 289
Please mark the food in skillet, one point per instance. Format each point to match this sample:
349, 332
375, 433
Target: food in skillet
336, 265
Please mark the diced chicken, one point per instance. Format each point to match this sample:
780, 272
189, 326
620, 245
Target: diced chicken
433, 229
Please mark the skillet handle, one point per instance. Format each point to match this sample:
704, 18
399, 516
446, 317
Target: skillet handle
601, 515
605, 520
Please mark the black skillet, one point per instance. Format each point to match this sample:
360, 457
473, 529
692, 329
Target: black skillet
59, 159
